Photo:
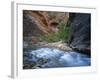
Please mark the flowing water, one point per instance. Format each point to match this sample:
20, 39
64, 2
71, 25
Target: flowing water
53, 58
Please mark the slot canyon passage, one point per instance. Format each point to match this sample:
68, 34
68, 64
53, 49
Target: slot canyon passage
56, 39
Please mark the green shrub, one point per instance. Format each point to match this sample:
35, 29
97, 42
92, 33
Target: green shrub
52, 37
62, 34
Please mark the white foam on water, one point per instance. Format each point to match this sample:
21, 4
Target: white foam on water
59, 58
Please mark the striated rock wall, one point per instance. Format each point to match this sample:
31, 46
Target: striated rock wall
43, 21
80, 32
30, 28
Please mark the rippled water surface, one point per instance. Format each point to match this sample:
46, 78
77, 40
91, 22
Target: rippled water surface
52, 57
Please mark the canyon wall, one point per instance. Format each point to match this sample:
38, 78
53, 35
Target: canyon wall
35, 22
80, 32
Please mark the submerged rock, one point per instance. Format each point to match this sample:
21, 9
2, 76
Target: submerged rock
53, 58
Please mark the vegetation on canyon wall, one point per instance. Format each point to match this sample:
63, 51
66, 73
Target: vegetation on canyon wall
61, 35
45, 27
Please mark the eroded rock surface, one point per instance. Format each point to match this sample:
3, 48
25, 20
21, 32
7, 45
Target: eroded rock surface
80, 32
42, 21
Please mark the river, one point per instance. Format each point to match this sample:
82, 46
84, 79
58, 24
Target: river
53, 58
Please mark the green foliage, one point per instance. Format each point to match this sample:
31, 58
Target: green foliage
52, 37
62, 34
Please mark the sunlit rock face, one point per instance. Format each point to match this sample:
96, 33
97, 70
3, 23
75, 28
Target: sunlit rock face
42, 21
80, 32
53, 58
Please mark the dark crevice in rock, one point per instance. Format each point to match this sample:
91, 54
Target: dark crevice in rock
80, 32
